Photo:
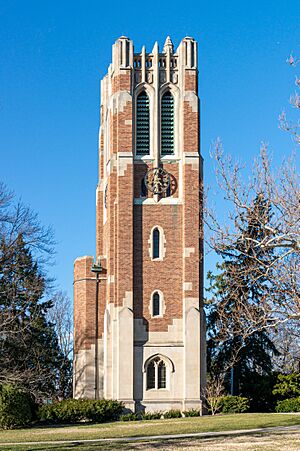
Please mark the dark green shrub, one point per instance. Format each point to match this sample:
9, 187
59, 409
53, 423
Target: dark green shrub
288, 385
289, 405
104, 410
234, 404
47, 413
191, 413
129, 417
78, 410
151, 415
15, 407
72, 410
173, 413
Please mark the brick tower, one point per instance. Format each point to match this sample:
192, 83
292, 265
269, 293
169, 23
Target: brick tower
139, 328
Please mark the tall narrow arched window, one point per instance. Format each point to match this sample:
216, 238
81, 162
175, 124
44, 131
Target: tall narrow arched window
142, 124
161, 375
151, 375
156, 304
156, 243
167, 124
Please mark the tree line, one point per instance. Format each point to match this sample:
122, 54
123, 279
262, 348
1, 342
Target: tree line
35, 329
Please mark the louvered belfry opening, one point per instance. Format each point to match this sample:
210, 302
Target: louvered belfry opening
142, 124
167, 124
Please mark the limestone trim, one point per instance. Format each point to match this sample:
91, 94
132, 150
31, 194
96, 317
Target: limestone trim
187, 251
187, 286
162, 244
173, 335
192, 98
83, 257
124, 160
163, 201
163, 357
166, 344
111, 279
192, 158
119, 100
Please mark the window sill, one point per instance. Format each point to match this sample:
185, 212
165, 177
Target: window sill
151, 390
171, 158
141, 158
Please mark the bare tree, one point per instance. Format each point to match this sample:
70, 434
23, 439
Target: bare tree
61, 316
275, 255
25, 335
285, 124
286, 338
17, 219
212, 395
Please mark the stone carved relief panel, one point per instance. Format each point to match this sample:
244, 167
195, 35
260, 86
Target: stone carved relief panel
174, 77
149, 78
138, 77
162, 77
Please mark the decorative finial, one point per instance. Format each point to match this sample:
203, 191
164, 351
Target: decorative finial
168, 44
155, 47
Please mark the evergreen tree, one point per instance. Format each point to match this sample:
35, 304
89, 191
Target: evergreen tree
29, 351
234, 348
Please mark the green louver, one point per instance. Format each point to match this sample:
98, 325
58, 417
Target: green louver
142, 124
167, 124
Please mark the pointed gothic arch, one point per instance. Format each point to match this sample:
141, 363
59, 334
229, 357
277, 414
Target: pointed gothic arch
158, 369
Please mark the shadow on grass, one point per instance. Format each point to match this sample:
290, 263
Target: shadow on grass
66, 425
107, 446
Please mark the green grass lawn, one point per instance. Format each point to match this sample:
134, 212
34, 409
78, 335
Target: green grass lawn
145, 428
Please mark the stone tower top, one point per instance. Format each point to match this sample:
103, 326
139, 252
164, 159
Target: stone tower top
124, 56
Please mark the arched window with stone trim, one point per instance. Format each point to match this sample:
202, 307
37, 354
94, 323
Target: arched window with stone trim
157, 243
156, 307
157, 373
142, 124
167, 124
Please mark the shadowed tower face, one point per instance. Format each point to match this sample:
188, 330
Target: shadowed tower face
139, 329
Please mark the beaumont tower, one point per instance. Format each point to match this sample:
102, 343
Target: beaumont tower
139, 328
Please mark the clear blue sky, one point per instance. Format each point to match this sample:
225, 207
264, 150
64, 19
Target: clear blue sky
53, 55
